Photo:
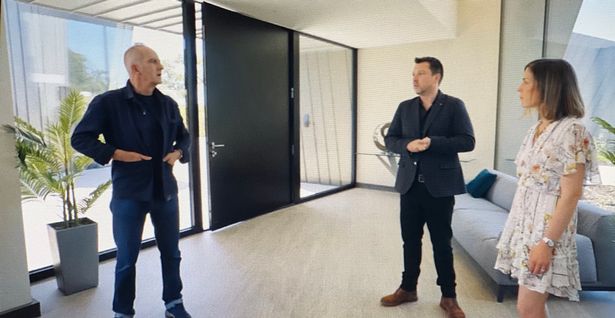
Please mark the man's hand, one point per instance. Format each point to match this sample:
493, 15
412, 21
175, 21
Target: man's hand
129, 156
419, 145
171, 157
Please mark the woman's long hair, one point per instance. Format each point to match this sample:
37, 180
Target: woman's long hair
558, 89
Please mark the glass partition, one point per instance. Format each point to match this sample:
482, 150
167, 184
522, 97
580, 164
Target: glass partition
588, 43
326, 86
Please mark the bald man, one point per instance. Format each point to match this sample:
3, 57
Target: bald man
145, 136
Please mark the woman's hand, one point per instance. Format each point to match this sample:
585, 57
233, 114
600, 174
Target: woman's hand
540, 258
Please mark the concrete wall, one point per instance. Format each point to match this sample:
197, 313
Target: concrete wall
14, 281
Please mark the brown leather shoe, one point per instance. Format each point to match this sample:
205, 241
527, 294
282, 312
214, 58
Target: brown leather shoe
399, 297
451, 307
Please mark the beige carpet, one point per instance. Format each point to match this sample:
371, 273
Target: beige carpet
331, 257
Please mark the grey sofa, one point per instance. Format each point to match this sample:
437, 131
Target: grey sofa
478, 222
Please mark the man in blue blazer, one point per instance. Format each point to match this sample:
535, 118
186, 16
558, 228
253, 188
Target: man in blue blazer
428, 132
145, 135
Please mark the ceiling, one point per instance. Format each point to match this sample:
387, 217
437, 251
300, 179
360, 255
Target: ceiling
164, 15
356, 23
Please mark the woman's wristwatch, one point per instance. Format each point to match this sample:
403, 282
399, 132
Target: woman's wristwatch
550, 243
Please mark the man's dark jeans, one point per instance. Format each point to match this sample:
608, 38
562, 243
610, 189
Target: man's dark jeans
128, 220
417, 208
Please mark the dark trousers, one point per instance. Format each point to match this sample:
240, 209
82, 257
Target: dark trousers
417, 208
128, 221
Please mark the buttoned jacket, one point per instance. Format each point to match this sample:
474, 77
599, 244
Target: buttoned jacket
449, 127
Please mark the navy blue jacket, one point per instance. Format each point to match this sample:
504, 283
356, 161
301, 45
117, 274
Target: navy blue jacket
449, 127
114, 115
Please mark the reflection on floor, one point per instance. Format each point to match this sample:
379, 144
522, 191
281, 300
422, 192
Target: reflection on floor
330, 257
308, 189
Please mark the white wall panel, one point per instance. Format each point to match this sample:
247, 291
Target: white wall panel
470, 72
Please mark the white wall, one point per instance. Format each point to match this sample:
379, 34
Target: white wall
14, 281
470, 72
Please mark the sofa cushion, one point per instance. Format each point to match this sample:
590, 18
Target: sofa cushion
503, 190
481, 183
599, 226
586, 258
472, 225
467, 202
590, 217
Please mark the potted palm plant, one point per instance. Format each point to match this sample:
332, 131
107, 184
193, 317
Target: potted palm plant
49, 166
606, 152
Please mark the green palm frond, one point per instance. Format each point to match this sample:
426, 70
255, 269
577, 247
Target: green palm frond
605, 153
28, 133
42, 160
87, 203
59, 142
29, 140
608, 155
48, 165
24, 150
604, 124
50, 180
71, 111
33, 187
80, 163
56, 134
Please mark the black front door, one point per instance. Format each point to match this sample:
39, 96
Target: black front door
247, 102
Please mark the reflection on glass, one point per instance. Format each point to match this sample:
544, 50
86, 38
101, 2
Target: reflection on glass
52, 52
325, 115
591, 51
202, 138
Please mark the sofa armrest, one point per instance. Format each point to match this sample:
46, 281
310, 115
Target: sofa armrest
599, 225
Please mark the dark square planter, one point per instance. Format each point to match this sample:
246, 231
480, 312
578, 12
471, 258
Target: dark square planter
74, 251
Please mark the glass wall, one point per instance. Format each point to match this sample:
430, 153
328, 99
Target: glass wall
52, 52
588, 43
580, 32
326, 88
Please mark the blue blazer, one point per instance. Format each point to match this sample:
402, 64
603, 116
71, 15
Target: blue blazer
114, 114
449, 127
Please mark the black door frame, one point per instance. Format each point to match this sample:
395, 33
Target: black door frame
190, 73
295, 123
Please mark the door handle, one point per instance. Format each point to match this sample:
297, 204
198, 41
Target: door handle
212, 148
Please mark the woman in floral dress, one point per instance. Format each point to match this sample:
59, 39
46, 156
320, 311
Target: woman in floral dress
557, 157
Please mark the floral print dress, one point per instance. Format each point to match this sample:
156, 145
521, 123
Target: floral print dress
540, 165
